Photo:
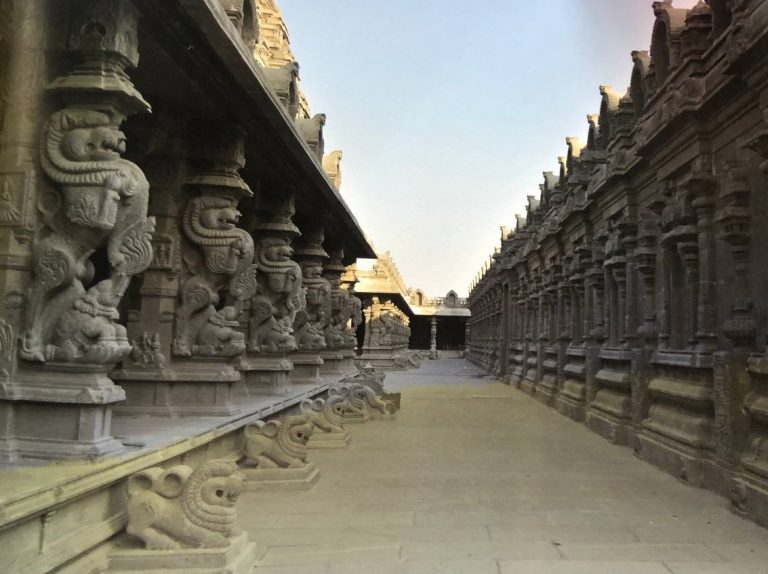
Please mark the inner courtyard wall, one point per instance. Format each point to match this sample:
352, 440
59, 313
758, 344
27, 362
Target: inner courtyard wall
631, 293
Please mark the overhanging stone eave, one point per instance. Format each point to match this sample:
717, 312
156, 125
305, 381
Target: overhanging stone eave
440, 311
242, 71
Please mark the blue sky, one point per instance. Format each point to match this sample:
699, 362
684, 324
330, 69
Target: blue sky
448, 112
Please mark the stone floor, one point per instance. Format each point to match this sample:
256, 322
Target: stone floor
477, 477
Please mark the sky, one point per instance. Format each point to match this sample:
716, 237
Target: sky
449, 111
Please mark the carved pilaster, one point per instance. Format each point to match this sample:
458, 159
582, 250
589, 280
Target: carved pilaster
645, 257
700, 185
733, 220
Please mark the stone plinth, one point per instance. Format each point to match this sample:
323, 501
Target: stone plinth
306, 368
265, 375
194, 387
59, 411
302, 478
238, 558
333, 362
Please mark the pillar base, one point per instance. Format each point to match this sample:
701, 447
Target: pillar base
333, 362
348, 362
264, 375
749, 497
616, 430
189, 388
58, 411
569, 406
278, 479
687, 464
306, 368
238, 558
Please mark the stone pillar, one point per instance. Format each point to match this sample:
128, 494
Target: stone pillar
57, 402
216, 275
433, 339
276, 300
311, 319
337, 337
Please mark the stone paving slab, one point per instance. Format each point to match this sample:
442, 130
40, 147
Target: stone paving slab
475, 477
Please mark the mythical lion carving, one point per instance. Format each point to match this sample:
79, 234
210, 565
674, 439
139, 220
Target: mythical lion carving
356, 318
316, 411
344, 407
100, 201
279, 297
278, 443
364, 397
223, 253
182, 508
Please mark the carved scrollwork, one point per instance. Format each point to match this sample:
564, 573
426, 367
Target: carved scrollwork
184, 508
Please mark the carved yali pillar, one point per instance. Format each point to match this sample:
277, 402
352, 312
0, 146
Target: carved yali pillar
275, 455
349, 279
380, 336
310, 319
180, 516
338, 355
215, 275
278, 298
57, 403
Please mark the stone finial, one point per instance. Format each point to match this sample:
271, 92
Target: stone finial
311, 129
332, 166
285, 81
184, 508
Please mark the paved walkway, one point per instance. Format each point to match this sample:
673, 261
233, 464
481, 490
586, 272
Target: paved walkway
476, 477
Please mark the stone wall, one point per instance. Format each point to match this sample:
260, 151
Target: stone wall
631, 295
